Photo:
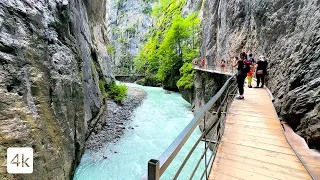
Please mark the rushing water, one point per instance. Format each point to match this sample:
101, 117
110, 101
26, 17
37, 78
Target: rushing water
157, 122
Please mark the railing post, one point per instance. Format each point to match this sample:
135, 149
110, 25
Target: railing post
205, 143
153, 170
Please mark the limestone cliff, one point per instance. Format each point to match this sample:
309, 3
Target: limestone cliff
52, 55
128, 23
287, 33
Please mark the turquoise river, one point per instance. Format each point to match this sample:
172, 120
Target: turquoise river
157, 122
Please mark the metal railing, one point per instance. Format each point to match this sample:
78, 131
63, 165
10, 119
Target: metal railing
228, 69
212, 115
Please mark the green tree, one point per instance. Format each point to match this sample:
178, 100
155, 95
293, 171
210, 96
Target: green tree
171, 49
173, 42
186, 81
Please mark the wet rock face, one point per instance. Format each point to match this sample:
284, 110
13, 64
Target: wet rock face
191, 6
287, 33
206, 85
51, 59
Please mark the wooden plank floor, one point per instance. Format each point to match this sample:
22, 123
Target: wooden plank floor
253, 145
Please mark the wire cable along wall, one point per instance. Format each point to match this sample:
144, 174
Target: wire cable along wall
215, 112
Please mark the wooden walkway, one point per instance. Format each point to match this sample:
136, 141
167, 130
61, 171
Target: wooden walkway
253, 145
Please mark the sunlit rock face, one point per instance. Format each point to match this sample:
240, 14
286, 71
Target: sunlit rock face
52, 55
287, 33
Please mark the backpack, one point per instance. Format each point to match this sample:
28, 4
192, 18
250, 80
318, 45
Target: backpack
246, 66
251, 59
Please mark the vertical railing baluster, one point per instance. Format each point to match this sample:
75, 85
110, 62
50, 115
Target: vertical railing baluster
153, 170
205, 144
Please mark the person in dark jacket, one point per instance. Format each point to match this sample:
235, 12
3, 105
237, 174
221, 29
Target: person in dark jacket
241, 76
261, 71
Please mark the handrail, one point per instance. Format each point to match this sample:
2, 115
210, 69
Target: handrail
284, 134
228, 69
157, 167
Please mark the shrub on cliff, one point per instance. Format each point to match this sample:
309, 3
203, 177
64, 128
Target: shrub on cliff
141, 81
187, 73
118, 92
147, 10
113, 91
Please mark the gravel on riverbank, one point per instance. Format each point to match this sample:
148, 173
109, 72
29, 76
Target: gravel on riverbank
118, 115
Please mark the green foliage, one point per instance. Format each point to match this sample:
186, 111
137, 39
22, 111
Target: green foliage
122, 71
142, 81
174, 42
149, 80
102, 84
122, 15
149, 1
79, 52
115, 30
131, 29
147, 10
132, 77
94, 42
113, 91
80, 74
117, 92
147, 59
171, 49
130, 32
162, 6
93, 67
124, 41
110, 49
120, 3
186, 81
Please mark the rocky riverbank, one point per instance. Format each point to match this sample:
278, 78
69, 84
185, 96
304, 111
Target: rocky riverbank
118, 116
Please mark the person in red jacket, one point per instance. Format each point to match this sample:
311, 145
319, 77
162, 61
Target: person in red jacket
249, 76
202, 62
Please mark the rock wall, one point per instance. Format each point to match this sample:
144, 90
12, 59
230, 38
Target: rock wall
287, 33
128, 23
191, 6
52, 55
206, 85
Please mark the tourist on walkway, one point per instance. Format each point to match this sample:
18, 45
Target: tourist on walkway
249, 76
195, 61
202, 62
222, 65
261, 72
250, 58
235, 59
241, 74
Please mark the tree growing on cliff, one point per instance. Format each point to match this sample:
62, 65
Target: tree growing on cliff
170, 47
